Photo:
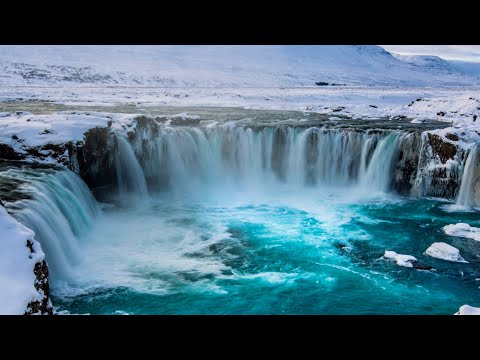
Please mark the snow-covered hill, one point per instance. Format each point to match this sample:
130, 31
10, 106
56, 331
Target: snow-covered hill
225, 66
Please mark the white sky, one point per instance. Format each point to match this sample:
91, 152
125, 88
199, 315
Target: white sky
448, 52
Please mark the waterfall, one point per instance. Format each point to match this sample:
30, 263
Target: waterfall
58, 207
378, 175
466, 194
130, 177
179, 158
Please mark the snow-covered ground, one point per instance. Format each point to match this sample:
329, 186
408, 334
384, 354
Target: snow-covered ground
455, 106
24, 130
16, 266
227, 66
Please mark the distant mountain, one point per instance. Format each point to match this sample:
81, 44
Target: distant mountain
431, 63
227, 66
469, 68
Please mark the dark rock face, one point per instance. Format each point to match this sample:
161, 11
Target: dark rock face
405, 168
93, 159
7, 153
452, 137
443, 149
439, 167
418, 266
279, 152
43, 306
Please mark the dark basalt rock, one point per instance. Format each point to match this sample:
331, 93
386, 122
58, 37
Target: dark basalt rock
93, 159
405, 168
41, 285
442, 148
418, 266
452, 137
7, 153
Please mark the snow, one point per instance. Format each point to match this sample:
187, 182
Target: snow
184, 116
462, 230
402, 260
441, 250
468, 310
25, 130
224, 66
16, 266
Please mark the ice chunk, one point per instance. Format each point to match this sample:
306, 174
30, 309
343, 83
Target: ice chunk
402, 260
441, 250
462, 230
468, 310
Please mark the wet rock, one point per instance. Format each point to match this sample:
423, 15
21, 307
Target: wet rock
452, 137
406, 164
418, 266
7, 153
442, 148
44, 306
339, 245
94, 157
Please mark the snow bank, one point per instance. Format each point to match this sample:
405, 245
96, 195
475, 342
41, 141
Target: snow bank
16, 266
402, 260
468, 310
23, 130
444, 251
462, 230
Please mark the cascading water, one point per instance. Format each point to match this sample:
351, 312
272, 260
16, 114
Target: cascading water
466, 195
243, 220
378, 174
233, 156
58, 207
130, 176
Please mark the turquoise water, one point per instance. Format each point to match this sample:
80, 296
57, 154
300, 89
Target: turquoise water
284, 251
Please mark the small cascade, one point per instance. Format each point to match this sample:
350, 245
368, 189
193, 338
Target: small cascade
58, 207
130, 177
466, 194
379, 173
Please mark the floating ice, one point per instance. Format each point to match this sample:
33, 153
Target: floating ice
468, 310
462, 230
402, 260
444, 251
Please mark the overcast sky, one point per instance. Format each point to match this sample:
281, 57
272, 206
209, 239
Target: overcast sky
448, 52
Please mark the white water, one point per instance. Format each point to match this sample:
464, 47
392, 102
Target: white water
379, 173
130, 178
60, 212
230, 157
285, 183
466, 194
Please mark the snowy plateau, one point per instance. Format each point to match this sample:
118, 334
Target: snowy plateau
53, 98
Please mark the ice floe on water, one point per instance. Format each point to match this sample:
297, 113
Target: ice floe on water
402, 260
462, 230
443, 251
468, 310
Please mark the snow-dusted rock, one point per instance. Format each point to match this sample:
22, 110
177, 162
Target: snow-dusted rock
23, 271
441, 250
